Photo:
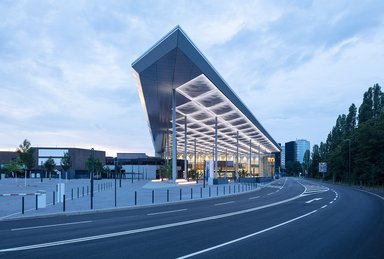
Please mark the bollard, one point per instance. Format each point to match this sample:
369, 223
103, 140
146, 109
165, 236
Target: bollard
223, 189
22, 205
229, 188
72, 194
36, 201
135, 197
209, 191
153, 196
78, 192
167, 195
217, 190
191, 194
53, 194
64, 202
180, 193
83, 191
201, 192
116, 192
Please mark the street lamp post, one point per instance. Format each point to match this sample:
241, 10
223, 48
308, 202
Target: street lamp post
92, 169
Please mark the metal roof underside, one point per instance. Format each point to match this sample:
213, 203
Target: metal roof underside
201, 96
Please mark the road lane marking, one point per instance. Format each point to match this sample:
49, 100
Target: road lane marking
53, 225
255, 197
223, 203
316, 199
141, 230
247, 236
323, 207
270, 193
165, 212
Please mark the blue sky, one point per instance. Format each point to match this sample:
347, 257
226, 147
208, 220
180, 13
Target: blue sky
66, 76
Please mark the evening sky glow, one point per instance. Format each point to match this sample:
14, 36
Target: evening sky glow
66, 78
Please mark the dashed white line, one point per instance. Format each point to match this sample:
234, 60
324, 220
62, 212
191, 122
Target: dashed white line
165, 212
255, 197
248, 236
224, 203
141, 230
53, 225
270, 193
316, 199
323, 207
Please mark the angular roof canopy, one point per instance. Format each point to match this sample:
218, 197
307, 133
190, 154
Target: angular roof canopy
201, 96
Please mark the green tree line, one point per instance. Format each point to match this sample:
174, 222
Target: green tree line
354, 149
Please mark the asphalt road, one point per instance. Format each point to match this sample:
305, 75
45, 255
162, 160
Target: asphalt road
291, 218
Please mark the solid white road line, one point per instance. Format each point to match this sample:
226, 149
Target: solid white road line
165, 212
247, 236
224, 203
316, 199
141, 230
53, 225
255, 197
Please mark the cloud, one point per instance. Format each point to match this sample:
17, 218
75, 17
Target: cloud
65, 67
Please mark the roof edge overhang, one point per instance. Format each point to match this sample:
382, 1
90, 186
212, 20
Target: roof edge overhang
177, 39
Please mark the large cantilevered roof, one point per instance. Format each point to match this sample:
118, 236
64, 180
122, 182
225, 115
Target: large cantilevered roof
202, 96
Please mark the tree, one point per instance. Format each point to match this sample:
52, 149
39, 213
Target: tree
306, 161
365, 109
66, 162
13, 167
293, 167
97, 165
377, 101
49, 165
26, 154
313, 169
351, 120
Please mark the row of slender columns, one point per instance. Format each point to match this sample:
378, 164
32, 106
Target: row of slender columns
215, 152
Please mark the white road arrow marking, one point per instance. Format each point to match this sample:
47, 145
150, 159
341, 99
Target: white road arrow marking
316, 199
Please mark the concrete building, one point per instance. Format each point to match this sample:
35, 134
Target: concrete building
78, 156
42, 154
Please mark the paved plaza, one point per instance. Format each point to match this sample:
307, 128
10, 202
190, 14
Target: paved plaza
13, 191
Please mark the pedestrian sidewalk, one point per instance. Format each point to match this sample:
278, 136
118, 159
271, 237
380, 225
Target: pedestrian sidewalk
108, 194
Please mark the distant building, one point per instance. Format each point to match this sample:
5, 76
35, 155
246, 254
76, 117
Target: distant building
283, 157
302, 146
78, 156
290, 151
295, 150
8, 156
277, 160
